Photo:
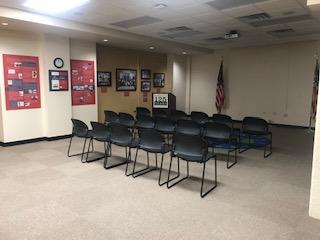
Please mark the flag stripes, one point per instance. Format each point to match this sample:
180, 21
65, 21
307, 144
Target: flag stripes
220, 97
315, 92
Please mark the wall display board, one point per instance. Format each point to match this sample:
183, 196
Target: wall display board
82, 81
58, 80
160, 100
21, 81
104, 79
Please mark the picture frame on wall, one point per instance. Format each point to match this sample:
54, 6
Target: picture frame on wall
145, 86
158, 80
104, 79
58, 80
126, 80
145, 74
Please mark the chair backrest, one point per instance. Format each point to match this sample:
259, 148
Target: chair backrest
143, 111
99, 130
189, 147
217, 131
165, 125
188, 127
255, 125
222, 118
200, 117
156, 112
79, 129
111, 117
177, 115
144, 121
126, 119
151, 139
120, 133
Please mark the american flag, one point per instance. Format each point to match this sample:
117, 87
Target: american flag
220, 90
315, 91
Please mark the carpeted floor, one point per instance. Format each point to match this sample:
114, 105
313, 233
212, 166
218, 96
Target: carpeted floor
45, 195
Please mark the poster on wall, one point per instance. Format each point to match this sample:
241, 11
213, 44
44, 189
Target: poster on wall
58, 80
21, 81
82, 81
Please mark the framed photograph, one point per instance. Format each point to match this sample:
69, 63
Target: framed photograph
145, 86
126, 80
58, 80
145, 74
158, 80
104, 79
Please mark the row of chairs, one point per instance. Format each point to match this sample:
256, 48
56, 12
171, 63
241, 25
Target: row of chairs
187, 147
253, 134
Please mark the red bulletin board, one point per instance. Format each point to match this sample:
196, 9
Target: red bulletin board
21, 81
82, 81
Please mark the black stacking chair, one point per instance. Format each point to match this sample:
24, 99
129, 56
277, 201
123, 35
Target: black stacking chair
177, 115
191, 149
219, 135
144, 122
157, 113
80, 130
111, 117
143, 111
101, 133
151, 141
188, 127
127, 120
199, 117
227, 120
165, 126
256, 132
121, 136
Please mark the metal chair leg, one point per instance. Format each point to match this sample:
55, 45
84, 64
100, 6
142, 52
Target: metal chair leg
69, 148
117, 164
182, 179
144, 170
202, 194
235, 158
160, 173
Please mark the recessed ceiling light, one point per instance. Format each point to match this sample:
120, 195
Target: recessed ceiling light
4, 24
105, 40
160, 6
55, 6
184, 53
151, 48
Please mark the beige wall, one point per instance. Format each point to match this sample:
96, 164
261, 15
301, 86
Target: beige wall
82, 50
109, 59
272, 82
53, 118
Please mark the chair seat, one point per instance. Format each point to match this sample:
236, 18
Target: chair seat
125, 143
151, 149
195, 158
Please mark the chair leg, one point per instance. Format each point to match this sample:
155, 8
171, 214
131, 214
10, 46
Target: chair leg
128, 162
265, 154
184, 178
244, 149
203, 194
97, 158
83, 150
69, 148
105, 164
144, 170
235, 158
160, 173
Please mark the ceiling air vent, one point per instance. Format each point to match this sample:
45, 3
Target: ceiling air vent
282, 32
227, 4
178, 29
253, 18
134, 22
215, 39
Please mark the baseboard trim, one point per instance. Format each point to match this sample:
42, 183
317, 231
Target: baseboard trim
49, 139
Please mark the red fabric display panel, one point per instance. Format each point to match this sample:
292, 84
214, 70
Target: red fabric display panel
82, 81
21, 81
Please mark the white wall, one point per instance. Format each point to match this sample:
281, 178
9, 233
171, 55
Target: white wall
53, 118
180, 77
80, 50
272, 82
19, 124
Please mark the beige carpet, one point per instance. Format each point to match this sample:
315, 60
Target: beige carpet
45, 195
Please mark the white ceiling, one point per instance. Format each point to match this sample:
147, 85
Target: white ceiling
207, 21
